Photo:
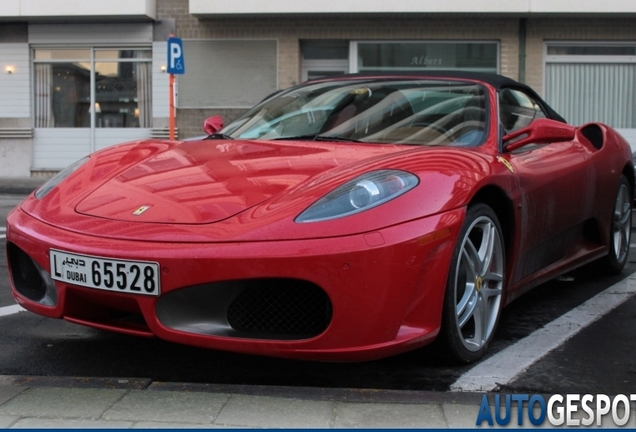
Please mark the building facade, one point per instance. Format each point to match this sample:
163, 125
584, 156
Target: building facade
80, 76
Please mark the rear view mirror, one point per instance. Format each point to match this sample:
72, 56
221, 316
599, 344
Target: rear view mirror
213, 124
541, 131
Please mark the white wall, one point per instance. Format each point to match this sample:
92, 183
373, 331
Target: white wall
630, 137
15, 157
582, 6
15, 87
139, 9
160, 81
56, 148
10, 8
89, 33
209, 8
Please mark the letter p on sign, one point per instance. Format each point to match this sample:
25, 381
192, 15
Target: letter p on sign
176, 61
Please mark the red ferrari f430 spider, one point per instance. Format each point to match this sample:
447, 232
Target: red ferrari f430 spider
349, 218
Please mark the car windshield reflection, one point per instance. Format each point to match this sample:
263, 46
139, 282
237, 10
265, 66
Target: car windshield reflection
419, 112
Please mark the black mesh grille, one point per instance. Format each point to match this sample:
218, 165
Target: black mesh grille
26, 277
281, 307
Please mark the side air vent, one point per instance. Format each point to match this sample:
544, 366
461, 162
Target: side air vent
594, 134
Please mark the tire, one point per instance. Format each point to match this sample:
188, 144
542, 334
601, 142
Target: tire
620, 230
473, 297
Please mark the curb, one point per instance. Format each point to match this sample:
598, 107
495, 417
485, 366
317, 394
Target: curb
20, 185
336, 394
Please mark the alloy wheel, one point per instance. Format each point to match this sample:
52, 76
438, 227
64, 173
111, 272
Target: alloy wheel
479, 283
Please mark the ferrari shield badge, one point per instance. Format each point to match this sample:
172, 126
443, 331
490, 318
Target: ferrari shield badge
141, 210
507, 163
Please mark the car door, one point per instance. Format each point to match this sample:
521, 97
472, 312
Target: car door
553, 181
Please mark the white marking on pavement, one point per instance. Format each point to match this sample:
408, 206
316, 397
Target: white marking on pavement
2, 236
10, 310
504, 366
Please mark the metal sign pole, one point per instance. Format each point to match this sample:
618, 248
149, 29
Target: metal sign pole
176, 65
172, 113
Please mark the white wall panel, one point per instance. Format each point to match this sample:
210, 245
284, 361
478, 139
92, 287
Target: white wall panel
630, 137
129, 9
15, 87
585, 92
90, 33
160, 81
110, 137
582, 6
9, 8
210, 8
58, 148
206, 7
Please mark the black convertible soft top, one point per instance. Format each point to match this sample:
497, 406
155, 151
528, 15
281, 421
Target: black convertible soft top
497, 81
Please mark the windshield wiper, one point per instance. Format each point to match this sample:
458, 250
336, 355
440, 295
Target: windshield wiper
216, 136
317, 138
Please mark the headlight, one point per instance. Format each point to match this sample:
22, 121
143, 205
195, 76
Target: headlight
367, 191
57, 179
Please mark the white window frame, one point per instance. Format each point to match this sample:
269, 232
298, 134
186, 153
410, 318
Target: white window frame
565, 58
91, 60
95, 138
323, 65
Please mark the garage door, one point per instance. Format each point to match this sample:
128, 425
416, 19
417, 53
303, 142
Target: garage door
587, 83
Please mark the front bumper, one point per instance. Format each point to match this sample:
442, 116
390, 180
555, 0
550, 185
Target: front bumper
383, 290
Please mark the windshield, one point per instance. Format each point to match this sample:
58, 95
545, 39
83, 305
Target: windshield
419, 112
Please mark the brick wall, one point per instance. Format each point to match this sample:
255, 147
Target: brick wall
289, 30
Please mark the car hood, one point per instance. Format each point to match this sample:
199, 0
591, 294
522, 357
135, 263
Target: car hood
208, 181
235, 191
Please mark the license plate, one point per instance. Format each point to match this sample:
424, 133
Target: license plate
134, 277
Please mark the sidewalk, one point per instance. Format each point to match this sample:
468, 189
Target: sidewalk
46, 402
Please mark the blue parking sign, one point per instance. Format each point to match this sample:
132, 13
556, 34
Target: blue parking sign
176, 60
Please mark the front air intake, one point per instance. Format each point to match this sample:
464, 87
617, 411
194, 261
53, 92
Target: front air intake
29, 279
267, 308
281, 306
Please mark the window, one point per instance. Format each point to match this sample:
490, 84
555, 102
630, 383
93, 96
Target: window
517, 110
324, 49
419, 56
104, 87
324, 58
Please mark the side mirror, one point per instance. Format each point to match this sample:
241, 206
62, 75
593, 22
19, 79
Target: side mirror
213, 124
541, 131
